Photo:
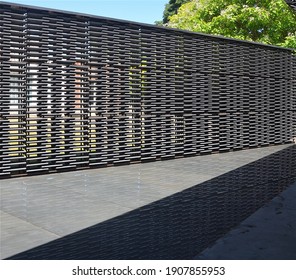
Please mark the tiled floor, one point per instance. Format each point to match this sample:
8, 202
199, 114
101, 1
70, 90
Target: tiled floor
38, 209
269, 234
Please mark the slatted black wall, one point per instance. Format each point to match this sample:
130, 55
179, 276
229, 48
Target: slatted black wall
291, 3
80, 91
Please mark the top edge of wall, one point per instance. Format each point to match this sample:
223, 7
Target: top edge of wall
89, 16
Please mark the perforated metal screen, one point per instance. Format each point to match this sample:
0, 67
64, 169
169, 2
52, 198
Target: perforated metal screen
79, 91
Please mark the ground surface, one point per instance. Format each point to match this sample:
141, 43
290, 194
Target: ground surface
38, 209
270, 233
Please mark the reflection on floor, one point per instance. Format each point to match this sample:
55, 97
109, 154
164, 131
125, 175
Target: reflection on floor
161, 210
268, 234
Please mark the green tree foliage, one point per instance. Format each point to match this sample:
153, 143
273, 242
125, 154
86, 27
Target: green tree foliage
171, 8
266, 21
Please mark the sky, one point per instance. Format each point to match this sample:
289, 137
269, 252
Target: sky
146, 11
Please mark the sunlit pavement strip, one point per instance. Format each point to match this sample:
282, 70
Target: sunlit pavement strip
38, 209
268, 234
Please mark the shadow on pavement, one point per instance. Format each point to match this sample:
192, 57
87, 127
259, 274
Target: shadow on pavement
182, 225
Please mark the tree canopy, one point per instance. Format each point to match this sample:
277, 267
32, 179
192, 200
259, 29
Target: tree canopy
171, 8
271, 22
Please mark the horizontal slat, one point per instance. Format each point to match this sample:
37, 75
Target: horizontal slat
85, 91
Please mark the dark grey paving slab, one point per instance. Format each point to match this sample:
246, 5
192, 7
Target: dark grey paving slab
18, 235
270, 233
56, 209
64, 203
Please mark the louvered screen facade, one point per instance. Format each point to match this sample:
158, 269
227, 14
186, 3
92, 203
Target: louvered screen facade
292, 4
79, 91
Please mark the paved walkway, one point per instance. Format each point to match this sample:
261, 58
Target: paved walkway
39, 209
268, 234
